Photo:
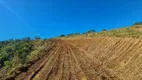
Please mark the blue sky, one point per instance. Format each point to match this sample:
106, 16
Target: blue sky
50, 18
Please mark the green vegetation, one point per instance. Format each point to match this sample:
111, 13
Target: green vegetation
138, 23
62, 35
104, 30
91, 31
14, 49
15, 54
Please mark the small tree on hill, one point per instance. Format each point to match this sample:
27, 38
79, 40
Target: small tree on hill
76, 33
91, 31
26, 39
104, 30
62, 35
37, 38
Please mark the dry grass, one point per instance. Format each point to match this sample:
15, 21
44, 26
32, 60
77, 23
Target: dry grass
134, 31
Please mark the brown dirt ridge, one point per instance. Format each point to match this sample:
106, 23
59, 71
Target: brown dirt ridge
99, 58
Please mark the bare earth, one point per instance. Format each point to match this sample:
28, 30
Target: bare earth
89, 59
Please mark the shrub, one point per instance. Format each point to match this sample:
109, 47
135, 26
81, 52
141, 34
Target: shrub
62, 35
138, 23
104, 30
91, 31
37, 38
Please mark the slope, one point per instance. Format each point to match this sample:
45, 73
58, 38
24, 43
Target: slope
67, 62
107, 55
121, 55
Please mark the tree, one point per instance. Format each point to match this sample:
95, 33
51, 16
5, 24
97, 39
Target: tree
37, 38
8, 49
104, 30
27, 39
76, 33
62, 35
91, 31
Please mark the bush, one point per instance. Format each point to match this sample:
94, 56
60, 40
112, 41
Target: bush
138, 23
37, 38
70, 35
104, 30
91, 31
62, 35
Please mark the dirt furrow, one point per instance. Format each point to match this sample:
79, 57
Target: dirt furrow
57, 70
93, 65
90, 73
66, 65
45, 72
72, 64
80, 75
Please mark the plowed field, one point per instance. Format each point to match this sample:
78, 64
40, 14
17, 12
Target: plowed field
89, 59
